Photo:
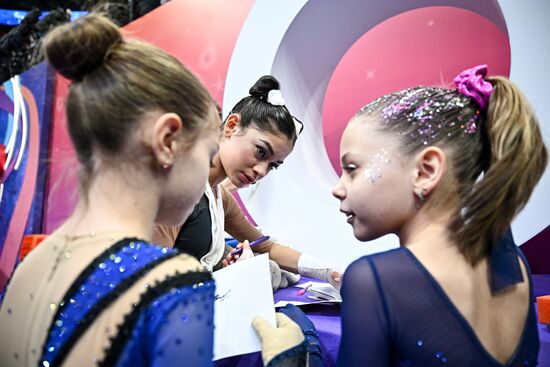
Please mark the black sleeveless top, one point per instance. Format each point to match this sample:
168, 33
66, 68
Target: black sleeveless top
195, 236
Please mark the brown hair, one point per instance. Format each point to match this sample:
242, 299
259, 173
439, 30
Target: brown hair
504, 144
115, 83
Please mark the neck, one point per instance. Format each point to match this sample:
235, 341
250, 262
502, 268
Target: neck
217, 172
115, 203
431, 241
429, 234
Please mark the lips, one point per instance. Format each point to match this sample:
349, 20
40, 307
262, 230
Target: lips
349, 215
246, 178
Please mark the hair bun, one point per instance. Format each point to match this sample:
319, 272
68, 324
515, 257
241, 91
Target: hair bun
261, 88
76, 49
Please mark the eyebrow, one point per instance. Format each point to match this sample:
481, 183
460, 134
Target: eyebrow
345, 158
270, 148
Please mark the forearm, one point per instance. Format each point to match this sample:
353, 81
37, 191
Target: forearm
302, 263
286, 257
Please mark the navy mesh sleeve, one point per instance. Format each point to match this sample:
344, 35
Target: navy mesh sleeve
365, 324
175, 330
186, 336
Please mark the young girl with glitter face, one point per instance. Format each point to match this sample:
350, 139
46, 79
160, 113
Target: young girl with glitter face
96, 291
256, 137
446, 170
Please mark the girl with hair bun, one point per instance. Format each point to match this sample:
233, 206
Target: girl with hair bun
256, 137
446, 170
96, 291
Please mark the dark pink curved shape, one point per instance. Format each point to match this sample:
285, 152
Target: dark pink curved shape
425, 46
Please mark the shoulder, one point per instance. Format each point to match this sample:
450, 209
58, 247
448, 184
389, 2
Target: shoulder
368, 272
378, 261
171, 290
169, 260
164, 235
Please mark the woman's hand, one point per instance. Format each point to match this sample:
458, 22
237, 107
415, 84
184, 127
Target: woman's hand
245, 254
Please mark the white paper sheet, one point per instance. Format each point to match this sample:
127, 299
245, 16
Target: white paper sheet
322, 290
243, 290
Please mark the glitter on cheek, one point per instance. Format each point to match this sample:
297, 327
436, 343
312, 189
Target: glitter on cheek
371, 175
375, 166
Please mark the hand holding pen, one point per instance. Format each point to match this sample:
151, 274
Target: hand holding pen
234, 255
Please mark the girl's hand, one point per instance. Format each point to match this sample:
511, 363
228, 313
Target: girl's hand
335, 279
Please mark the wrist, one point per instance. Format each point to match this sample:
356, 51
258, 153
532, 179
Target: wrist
313, 267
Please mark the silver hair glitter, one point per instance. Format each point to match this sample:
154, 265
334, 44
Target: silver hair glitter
430, 112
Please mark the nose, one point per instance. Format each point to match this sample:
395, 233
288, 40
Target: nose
338, 191
261, 170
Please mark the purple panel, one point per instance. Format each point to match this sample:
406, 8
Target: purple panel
537, 252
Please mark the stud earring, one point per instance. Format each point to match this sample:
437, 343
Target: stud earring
422, 194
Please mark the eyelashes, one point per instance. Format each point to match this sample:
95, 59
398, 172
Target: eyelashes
262, 155
349, 168
261, 152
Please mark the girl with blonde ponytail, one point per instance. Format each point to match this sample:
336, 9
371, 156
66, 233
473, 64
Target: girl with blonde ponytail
446, 170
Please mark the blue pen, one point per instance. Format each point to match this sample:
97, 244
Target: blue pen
257, 241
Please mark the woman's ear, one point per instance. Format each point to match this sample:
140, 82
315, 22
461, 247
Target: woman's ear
166, 130
430, 165
232, 124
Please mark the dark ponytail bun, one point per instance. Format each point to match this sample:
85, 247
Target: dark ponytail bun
261, 88
77, 49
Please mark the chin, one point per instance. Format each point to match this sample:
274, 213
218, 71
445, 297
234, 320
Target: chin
237, 182
364, 235
361, 236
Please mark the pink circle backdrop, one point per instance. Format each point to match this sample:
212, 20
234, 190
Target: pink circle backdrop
426, 46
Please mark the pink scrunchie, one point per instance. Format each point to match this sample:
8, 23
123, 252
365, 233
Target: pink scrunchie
471, 84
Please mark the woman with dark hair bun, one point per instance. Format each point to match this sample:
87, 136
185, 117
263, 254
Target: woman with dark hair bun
256, 136
96, 291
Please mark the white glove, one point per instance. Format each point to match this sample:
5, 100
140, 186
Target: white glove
313, 267
275, 340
